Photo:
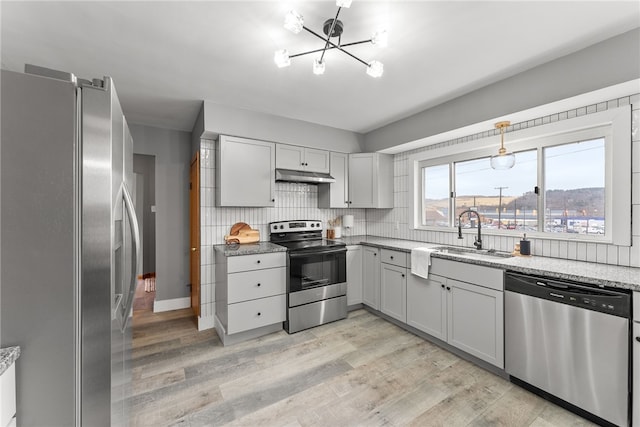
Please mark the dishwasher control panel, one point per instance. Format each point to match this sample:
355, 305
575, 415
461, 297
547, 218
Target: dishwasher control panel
615, 302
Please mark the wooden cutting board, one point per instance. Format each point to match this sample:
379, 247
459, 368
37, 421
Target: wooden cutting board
241, 233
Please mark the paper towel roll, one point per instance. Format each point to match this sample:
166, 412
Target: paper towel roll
347, 221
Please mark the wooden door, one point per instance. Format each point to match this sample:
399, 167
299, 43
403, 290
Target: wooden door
194, 227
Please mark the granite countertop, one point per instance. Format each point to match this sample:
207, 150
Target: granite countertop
249, 248
8, 356
586, 272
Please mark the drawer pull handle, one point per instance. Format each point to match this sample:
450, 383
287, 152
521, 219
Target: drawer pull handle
259, 285
259, 314
442, 286
403, 275
391, 256
258, 261
448, 288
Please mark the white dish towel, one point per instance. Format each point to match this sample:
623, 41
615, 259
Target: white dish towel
420, 261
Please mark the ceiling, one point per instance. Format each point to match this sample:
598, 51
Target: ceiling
166, 57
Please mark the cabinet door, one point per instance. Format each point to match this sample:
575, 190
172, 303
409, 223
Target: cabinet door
393, 291
427, 305
354, 275
476, 321
636, 368
370, 180
371, 277
316, 160
361, 173
336, 194
289, 157
245, 172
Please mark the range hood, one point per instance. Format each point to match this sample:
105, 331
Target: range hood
288, 175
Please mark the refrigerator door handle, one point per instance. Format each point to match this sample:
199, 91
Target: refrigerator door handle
133, 223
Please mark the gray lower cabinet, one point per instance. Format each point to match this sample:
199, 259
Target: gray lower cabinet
250, 295
393, 284
467, 314
636, 360
475, 321
354, 275
427, 305
371, 277
393, 291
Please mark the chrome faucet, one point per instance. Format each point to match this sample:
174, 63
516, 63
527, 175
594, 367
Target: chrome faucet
478, 240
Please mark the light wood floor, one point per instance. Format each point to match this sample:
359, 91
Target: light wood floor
362, 371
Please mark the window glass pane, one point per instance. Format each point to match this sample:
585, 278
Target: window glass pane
574, 187
505, 199
435, 196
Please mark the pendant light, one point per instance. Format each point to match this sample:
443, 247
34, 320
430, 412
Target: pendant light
503, 160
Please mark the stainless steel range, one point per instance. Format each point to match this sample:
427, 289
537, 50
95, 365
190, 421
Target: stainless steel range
317, 274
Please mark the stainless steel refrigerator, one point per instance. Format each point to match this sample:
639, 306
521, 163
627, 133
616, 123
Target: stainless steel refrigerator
69, 243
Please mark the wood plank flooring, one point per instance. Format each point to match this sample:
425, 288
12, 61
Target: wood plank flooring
362, 371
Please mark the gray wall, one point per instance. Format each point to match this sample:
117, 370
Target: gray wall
145, 165
613, 61
172, 150
219, 119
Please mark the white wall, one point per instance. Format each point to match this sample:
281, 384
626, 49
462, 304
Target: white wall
382, 222
172, 152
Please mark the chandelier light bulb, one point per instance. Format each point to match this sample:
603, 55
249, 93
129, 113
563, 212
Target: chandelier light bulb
380, 38
343, 3
281, 58
318, 67
375, 68
293, 21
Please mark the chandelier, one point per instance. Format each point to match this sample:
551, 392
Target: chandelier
331, 28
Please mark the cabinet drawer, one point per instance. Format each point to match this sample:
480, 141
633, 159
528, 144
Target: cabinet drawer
255, 284
247, 315
398, 258
236, 264
488, 277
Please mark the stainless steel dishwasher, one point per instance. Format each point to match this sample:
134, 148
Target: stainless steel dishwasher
569, 342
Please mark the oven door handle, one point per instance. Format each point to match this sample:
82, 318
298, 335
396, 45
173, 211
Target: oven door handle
322, 252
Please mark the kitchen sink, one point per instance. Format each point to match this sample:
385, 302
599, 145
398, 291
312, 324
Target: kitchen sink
457, 250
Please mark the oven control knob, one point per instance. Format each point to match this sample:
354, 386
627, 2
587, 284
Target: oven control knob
318, 225
312, 225
281, 227
275, 227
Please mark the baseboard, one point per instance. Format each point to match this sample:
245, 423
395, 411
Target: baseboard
206, 323
171, 304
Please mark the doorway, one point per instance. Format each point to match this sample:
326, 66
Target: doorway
144, 170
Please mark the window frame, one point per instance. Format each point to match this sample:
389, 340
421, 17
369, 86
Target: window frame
613, 124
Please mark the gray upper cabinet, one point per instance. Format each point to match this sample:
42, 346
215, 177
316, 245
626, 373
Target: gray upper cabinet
336, 194
301, 158
370, 180
245, 172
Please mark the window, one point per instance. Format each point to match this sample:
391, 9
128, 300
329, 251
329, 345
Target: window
435, 200
561, 186
505, 199
574, 199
